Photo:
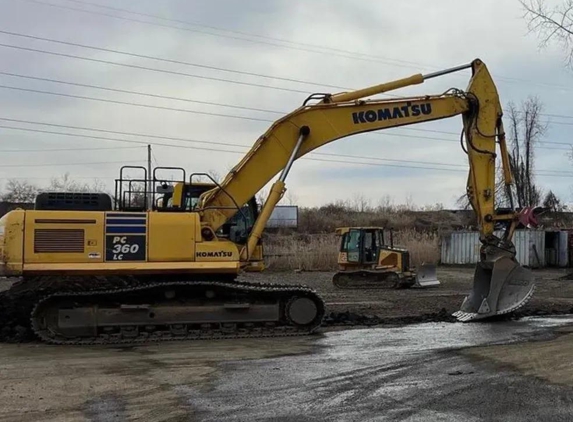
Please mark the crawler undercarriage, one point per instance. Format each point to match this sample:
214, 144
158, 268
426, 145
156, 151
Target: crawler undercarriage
125, 310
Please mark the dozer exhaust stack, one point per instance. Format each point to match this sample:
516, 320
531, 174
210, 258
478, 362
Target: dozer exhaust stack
501, 285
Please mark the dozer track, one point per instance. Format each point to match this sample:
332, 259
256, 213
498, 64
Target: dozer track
134, 312
365, 279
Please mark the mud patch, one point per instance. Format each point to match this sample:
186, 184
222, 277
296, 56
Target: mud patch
106, 408
545, 359
355, 319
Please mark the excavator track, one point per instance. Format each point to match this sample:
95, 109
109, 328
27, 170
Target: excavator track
159, 311
287, 310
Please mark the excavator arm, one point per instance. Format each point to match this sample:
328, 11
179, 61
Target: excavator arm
337, 116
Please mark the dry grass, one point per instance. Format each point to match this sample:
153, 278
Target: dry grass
319, 252
424, 247
316, 252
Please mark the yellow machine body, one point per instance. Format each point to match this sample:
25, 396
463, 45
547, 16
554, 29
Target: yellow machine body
80, 242
367, 258
168, 269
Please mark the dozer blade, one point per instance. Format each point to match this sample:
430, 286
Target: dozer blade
426, 276
500, 286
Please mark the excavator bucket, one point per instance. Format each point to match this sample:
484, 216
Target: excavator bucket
500, 286
426, 276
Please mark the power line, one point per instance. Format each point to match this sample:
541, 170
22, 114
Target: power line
180, 99
387, 60
151, 69
247, 33
194, 147
71, 164
201, 66
354, 56
205, 149
131, 54
154, 158
170, 138
146, 94
191, 111
242, 146
332, 52
63, 149
187, 75
423, 168
49, 178
233, 105
107, 100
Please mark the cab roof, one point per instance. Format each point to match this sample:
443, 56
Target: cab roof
342, 230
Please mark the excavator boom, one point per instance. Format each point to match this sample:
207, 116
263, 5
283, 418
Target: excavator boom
500, 284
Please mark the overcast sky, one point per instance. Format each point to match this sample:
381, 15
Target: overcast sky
341, 43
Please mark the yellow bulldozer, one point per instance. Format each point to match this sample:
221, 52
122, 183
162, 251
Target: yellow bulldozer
96, 271
368, 259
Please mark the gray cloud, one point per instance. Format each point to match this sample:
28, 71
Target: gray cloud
408, 37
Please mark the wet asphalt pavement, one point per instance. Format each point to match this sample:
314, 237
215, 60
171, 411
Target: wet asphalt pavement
411, 373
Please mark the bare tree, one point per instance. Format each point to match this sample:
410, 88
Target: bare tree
551, 23
360, 203
65, 183
290, 198
553, 203
525, 130
19, 191
463, 202
385, 204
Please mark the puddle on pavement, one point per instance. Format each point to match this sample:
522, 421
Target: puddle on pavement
372, 370
435, 336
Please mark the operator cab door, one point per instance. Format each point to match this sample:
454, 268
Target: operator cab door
361, 246
370, 246
351, 245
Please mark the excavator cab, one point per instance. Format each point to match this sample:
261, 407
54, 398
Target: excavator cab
367, 258
178, 193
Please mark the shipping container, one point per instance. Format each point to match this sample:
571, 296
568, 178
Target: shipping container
462, 247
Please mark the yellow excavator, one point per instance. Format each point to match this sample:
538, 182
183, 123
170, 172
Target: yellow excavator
163, 266
368, 259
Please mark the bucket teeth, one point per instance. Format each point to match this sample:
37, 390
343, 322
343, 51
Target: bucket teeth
465, 316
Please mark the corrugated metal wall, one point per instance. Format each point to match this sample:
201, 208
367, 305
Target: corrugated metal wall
462, 247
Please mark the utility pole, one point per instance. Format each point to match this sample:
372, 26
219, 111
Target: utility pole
149, 187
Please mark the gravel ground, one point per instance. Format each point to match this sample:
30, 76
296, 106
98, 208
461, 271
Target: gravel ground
553, 295
431, 372
421, 372
370, 307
